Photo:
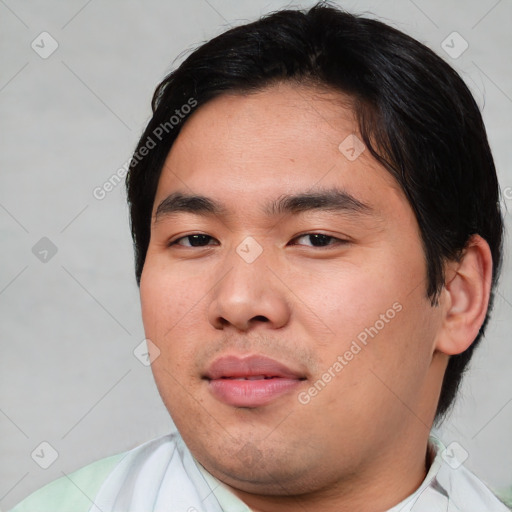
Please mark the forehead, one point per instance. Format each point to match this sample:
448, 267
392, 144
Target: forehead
284, 139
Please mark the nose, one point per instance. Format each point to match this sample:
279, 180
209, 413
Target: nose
249, 294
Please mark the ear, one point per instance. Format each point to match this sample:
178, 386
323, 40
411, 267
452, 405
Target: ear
465, 297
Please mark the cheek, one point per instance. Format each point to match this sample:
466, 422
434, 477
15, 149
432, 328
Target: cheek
351, 298
378, 311
171, 304
165, 290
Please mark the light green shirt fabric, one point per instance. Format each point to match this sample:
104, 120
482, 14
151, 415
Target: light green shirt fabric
72, 493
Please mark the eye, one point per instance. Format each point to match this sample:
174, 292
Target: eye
319, 240
195, 240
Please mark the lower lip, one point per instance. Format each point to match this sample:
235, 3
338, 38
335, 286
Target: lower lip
251, 393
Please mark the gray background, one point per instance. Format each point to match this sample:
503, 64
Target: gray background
70, 324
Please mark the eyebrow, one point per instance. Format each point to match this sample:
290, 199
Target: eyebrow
179, 202
328, 200
333, 199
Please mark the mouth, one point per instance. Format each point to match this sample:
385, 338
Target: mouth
252, 377
250, 381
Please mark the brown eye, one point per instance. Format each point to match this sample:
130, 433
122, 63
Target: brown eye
318, 240
196, 240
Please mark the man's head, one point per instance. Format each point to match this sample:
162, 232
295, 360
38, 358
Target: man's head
317, 189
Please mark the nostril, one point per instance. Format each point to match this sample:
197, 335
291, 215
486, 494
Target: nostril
261, 318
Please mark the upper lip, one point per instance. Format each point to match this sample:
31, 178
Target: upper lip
249, 366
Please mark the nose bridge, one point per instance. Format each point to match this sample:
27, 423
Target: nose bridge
249, 291
249, 262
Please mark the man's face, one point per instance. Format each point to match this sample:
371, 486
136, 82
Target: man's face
296, 340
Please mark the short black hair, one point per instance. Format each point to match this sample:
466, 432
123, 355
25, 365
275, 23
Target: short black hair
415, 115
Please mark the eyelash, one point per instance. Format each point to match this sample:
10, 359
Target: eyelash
338, 241
175, 242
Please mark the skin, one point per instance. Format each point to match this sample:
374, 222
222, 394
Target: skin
361, 442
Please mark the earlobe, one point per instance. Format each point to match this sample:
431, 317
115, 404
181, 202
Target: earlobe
466, 297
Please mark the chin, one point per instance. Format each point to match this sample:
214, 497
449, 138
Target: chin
268, 469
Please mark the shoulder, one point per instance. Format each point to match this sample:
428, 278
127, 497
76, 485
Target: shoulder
463, 488
77, 491
71, 493
469, 492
